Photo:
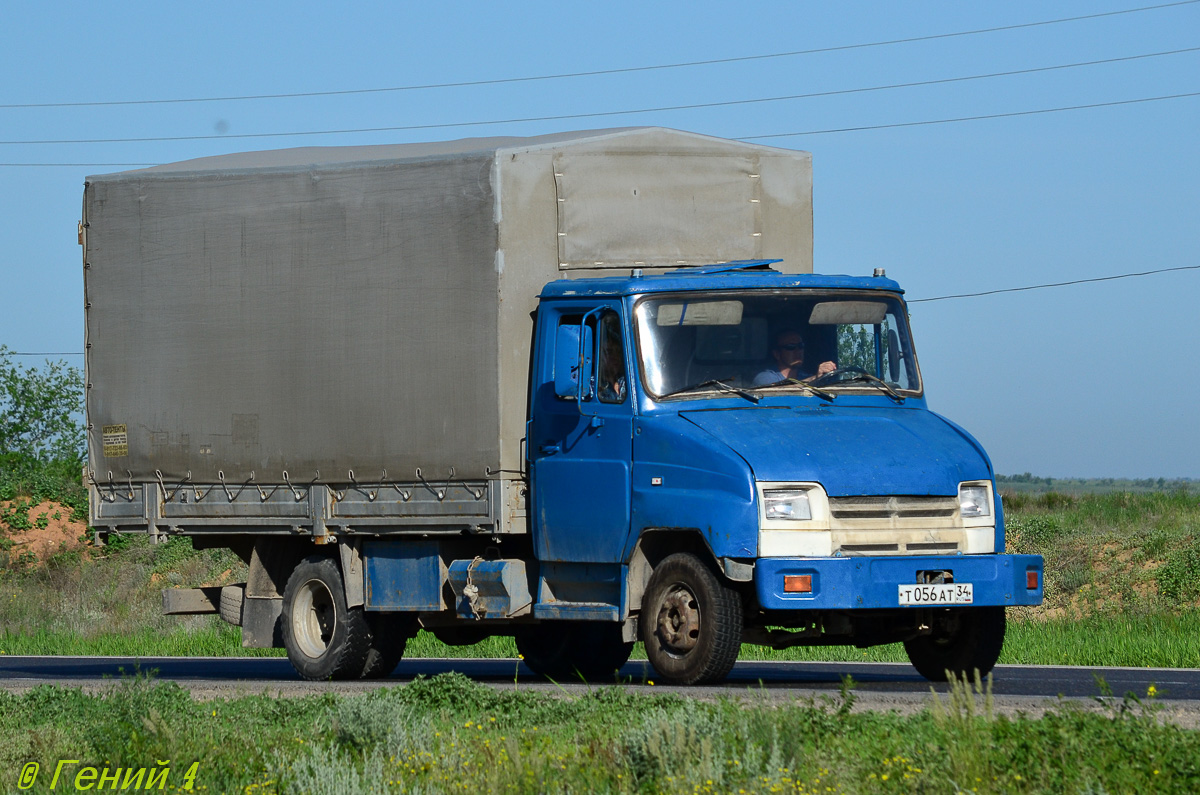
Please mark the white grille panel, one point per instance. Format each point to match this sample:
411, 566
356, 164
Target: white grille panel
896, 525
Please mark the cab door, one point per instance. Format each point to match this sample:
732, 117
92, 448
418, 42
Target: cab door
580, 438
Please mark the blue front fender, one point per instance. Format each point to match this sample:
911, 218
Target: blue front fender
684, 477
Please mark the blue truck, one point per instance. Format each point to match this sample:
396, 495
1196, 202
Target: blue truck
591, 389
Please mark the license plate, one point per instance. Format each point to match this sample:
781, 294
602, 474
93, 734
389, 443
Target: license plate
956, 593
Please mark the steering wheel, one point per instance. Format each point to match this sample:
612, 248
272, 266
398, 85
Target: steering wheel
836, 375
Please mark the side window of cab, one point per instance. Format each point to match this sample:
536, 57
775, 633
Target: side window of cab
611, 378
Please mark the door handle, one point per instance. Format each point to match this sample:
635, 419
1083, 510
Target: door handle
551, 449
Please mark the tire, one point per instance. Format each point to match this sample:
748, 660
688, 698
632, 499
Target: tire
545, 650
963, 641
691, 622
599, 650
389, 635
324, 639
594, 651
232, 599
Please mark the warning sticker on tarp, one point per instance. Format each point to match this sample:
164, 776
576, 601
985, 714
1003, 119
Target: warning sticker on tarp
115, 441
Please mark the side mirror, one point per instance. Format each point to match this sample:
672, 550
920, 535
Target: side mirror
572, 362
893, 355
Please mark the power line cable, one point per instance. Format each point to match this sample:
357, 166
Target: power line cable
599, 72
74, 165
1054, 284
602, 114
972, 118
911, 300
1012, 114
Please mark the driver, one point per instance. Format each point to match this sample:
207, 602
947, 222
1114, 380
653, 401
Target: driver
788, 353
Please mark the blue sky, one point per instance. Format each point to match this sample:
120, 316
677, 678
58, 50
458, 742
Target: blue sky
1092, 380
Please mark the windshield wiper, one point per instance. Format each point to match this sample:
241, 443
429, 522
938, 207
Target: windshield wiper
879, 382
720, 384
824, 394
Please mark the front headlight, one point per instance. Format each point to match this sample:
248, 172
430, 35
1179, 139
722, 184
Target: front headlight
974, 501
793, 520
786, 504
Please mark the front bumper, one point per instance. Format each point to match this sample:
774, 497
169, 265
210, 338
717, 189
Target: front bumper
874, 582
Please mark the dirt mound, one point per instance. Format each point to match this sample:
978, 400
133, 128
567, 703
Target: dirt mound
32, 534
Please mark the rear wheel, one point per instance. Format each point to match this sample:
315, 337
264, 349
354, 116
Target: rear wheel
600, 650
691, 622
545, 650
324, 638
592, 650
389, 635
962, 641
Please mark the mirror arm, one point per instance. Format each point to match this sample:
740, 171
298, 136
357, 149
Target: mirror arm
591, 376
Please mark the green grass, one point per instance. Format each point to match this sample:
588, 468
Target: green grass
449, 734
214, 638
1155, 640
1160, 640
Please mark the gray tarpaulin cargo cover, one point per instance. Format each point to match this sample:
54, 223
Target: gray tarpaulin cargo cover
368, 308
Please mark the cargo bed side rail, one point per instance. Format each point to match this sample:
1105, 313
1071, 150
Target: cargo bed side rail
449, 506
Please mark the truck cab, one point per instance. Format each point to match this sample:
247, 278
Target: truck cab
714, 494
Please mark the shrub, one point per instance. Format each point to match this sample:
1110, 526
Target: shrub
1034, 533
41, 410
1179, 577
41, 433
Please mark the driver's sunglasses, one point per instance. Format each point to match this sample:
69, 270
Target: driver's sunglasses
796, 346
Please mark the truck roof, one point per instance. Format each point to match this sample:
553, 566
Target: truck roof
744, 274
312, 158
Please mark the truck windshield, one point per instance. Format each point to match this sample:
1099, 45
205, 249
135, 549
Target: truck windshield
701, 344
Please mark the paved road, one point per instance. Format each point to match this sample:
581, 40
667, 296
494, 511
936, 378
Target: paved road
216, 674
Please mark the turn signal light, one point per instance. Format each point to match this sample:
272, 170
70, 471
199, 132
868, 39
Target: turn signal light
797, 583
1031, 579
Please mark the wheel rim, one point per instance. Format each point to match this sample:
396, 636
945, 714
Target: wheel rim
313, 618
679, 620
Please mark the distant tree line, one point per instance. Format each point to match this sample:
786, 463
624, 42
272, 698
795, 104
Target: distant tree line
1030, 482
1024, 478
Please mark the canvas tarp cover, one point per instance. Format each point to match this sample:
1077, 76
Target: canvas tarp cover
704, 209
262, 322
324, 309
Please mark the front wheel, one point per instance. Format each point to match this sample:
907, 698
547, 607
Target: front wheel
961, 642
691, 622
324, 638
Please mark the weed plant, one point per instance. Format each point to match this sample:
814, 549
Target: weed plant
449, 734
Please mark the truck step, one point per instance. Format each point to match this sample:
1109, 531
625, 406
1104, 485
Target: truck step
577, 611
